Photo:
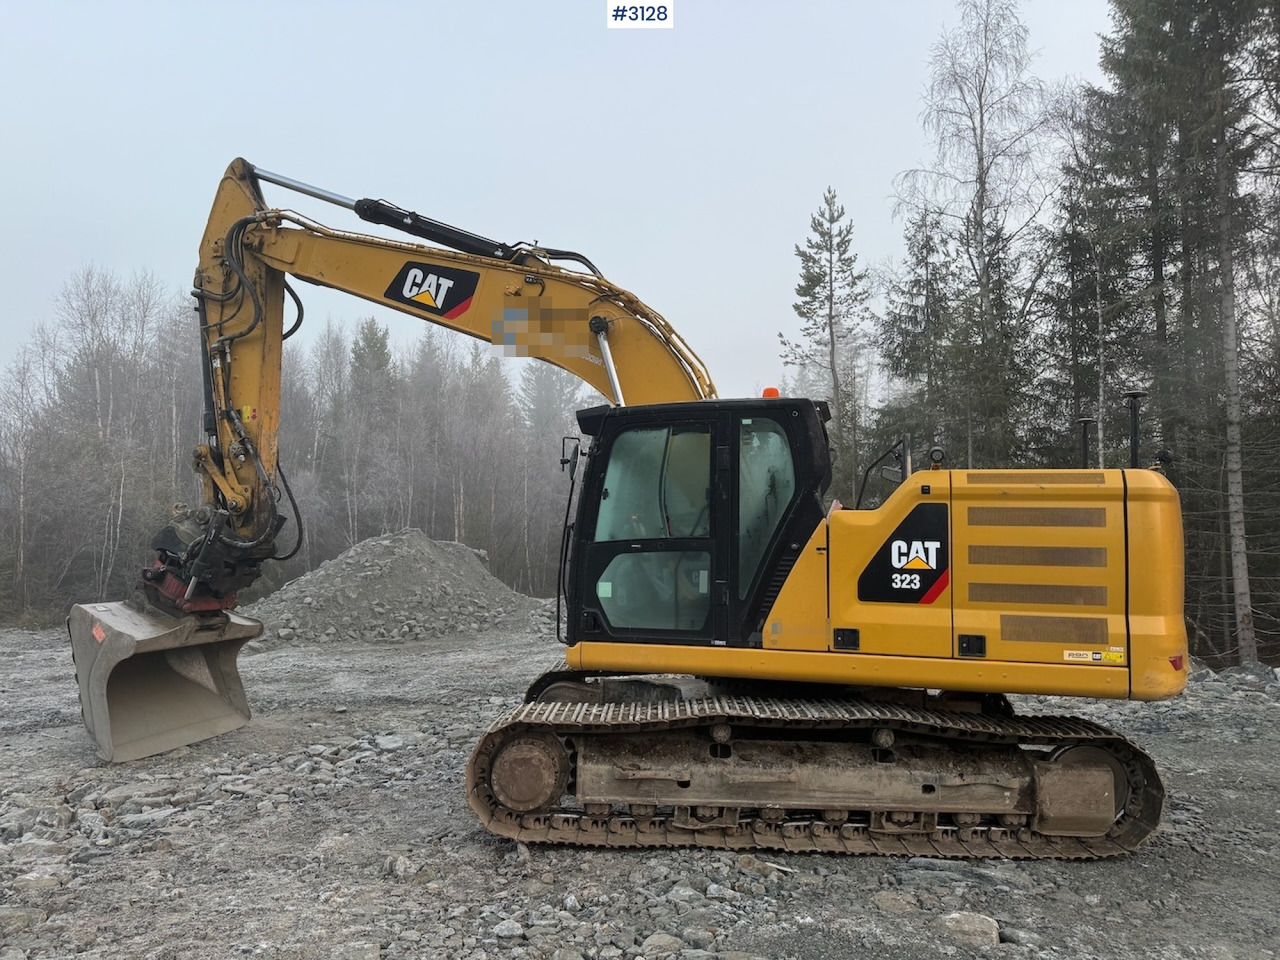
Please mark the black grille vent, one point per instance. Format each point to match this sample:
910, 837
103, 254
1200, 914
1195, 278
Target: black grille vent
780, 573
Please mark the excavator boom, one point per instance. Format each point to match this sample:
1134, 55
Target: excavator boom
160, 671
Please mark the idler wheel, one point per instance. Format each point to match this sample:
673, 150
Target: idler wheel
529, 772
1089, 754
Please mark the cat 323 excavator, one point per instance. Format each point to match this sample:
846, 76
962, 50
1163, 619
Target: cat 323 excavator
746, 666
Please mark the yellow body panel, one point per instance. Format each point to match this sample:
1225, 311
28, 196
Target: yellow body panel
1157, 630
1038, 558
808, 667
798, 620
1072, 578
888, 629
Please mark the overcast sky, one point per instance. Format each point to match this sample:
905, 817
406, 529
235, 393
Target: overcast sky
685, 162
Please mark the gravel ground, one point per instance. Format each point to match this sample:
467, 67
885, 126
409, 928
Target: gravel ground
334, 826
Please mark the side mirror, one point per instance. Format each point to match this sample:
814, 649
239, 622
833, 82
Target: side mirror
900, 451
568, 457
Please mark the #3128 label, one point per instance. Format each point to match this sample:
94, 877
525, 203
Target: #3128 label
628, 16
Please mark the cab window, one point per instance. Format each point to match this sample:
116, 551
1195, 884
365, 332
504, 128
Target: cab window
657, 489
766, 486
657, 485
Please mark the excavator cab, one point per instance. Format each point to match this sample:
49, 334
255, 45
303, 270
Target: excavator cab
151, 683
687, 510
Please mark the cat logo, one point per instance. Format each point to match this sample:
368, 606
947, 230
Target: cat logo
911, 565
439, 291
914, 554
427, 288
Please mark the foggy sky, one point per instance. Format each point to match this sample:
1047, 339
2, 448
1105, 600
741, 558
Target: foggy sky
685, 163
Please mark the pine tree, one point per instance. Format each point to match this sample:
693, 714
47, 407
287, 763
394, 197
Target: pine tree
371, 374
916, 335
832, 296
1179, 136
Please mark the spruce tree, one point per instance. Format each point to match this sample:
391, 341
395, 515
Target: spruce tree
916, 335
832, 296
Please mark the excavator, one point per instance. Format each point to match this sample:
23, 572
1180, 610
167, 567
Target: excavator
746, 664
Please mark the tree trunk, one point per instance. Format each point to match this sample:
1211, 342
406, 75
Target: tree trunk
525, 521
459, 504
20, 566
1102, 371
1162, 379
114, 525
836, 398
1246, 638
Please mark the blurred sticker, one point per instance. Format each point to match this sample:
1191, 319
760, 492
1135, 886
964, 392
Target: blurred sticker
1077, 655
1112, 657
604, 589
98, 633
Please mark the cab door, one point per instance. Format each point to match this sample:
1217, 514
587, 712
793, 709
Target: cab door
650, 569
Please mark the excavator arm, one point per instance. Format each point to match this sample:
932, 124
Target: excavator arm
509, 295
178, 631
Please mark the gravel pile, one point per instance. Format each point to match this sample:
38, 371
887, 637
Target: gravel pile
392, 589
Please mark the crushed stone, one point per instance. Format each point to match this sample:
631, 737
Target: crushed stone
395, 588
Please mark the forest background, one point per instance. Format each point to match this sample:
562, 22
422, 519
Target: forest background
1064, 245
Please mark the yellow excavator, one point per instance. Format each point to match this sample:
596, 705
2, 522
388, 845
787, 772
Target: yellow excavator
746, 666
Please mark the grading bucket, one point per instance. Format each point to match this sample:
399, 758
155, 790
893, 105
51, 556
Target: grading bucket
151, 683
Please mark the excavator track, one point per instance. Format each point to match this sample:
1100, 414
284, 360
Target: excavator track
521, 748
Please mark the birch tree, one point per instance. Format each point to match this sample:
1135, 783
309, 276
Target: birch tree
984, 111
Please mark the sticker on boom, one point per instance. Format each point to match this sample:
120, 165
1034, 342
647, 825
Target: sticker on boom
440, 291
912, 566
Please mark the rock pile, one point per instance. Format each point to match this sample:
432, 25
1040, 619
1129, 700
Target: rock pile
395, 588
